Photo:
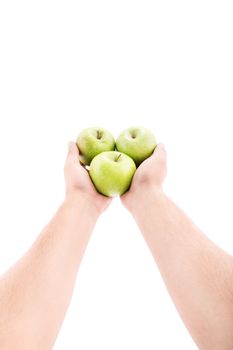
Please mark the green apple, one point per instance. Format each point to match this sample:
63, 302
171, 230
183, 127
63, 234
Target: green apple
137, 142
112, 173
92, 141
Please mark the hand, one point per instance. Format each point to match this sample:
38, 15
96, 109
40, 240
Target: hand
78, 182
149, 176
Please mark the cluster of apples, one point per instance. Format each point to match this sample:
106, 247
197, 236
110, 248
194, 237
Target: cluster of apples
111, 163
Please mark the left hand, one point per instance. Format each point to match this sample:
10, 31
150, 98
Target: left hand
78, 182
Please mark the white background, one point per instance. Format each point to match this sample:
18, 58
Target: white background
65, 65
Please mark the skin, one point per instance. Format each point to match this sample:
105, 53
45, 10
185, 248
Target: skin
197, 273
36, 291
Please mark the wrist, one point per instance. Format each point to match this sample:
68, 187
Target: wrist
80, 199
141, 199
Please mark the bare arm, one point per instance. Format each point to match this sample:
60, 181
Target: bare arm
36, 291
197, 273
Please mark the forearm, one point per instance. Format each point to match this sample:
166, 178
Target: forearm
35, 292
197, 273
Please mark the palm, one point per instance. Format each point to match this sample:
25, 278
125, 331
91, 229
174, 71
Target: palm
149, 174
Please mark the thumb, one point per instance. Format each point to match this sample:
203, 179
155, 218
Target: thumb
160, 151
73, 152
159, 155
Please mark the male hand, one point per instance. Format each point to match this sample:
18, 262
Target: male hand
148, 177
78, 182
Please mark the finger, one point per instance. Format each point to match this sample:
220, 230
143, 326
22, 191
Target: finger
73, 153
159, 156
160, 151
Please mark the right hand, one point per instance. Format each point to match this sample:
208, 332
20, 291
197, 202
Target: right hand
148, 177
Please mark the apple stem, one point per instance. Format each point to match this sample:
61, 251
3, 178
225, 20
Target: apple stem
133, 135
99, 134
118, 157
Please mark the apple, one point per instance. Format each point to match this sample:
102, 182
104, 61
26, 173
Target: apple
112, 172
137, 142
92, 141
